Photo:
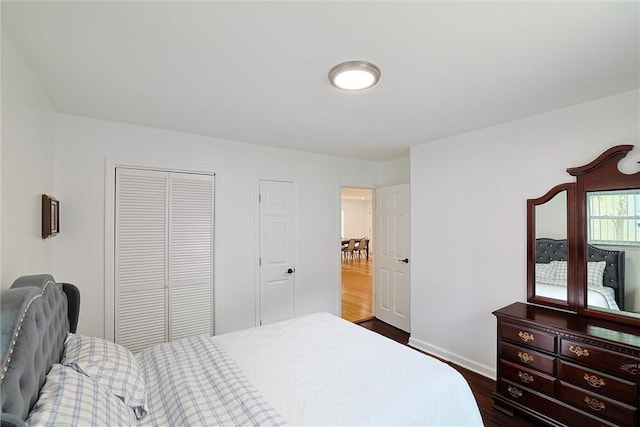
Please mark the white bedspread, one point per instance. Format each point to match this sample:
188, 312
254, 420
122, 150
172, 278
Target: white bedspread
322, 370
312, 370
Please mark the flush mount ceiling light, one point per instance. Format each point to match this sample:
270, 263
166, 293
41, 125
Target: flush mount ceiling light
354, 75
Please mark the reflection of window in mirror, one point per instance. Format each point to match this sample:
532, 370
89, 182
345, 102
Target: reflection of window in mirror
551, 248
614, 217
613, 230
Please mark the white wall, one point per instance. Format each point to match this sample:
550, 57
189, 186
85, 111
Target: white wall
28, 124
632, 278
394, 172
82, 147
468, 212
357, 218
551, 218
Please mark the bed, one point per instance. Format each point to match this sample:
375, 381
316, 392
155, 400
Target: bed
312, 370
605, 273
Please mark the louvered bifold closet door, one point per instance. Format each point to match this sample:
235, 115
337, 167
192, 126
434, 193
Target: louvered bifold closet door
140, 258
190, 255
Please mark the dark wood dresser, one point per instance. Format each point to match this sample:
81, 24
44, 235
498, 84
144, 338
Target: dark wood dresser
566, 369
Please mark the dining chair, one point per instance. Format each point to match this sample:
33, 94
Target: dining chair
362, 246
349, 249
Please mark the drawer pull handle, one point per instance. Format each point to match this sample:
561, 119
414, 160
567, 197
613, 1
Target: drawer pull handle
594, 403
579, 351
526, 336
515, 392
525, 377
594, 381
525, 357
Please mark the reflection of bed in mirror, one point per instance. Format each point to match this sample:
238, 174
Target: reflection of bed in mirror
605, 273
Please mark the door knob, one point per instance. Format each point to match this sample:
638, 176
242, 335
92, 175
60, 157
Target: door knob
406, 260
290, 270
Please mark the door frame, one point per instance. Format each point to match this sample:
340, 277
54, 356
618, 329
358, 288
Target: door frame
363, 186
256, 243
113, 162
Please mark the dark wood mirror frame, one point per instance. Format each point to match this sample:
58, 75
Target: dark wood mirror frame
599, 175
571, 302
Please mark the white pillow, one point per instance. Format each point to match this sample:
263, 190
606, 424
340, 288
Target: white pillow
595, 273
561, 274
545, 272
111, 365
69, 398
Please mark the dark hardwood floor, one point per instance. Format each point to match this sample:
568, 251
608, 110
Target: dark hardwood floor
481, 386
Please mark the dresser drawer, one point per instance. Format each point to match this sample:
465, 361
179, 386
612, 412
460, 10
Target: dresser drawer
524, 396
596, 404
597, 382
527, 377
566, 415
528, 337
599, 358
528, 358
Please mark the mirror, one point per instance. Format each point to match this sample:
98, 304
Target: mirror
607, 275
583, 241
549, 222
613, 227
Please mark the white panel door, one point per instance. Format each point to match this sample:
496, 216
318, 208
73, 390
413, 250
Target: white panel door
392, 287
277, 260
140, 254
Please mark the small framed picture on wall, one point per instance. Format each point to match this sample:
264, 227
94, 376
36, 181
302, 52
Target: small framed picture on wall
50, 216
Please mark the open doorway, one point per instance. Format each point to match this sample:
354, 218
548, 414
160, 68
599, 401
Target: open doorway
357, 248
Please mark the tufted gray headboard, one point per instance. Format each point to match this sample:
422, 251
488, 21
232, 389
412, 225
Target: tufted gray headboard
548, 250
37, 315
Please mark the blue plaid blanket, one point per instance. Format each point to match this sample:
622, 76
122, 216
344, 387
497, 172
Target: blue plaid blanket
193, 382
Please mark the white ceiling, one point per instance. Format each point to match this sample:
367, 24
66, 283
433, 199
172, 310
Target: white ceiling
257, 71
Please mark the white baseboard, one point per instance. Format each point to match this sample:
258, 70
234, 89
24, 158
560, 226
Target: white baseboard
478, 368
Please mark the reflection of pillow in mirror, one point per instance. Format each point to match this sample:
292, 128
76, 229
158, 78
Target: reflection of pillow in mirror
595, 272
560, 271
544, 272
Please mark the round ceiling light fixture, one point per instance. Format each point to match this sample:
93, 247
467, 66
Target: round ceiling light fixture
354, 75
